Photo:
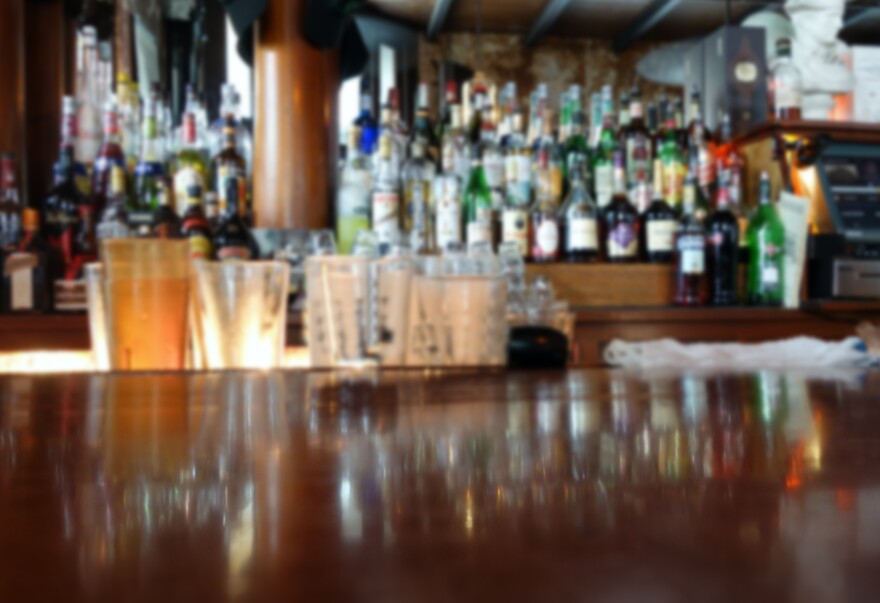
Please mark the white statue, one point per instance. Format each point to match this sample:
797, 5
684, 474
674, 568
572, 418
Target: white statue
815, 51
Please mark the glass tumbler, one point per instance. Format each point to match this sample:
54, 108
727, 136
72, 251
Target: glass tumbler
241, 308
97, 306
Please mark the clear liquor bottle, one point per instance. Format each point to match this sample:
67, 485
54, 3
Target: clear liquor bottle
785, 84
636, 140
385, 204
578, 216
353, 197
546, 243
113, 222
418, 178
109, 156
447, 195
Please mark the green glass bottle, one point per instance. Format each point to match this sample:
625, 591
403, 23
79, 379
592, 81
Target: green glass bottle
766, 237
477, 206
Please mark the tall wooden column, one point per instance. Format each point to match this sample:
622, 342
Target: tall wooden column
12, 78
295, 130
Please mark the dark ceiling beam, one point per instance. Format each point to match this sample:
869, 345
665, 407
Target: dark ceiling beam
551, 13
438, 17
643, 23
859, 14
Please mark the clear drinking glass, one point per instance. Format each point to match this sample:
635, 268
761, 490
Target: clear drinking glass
242, 312
337, 310
146, 289
390, 281
94, 276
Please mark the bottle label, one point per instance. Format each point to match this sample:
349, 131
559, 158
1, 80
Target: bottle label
604, 183
184, 178
770, 275
448, 222
622, 241
19, 268
515, 229
638, 158
706, 166
692, 253
233, 254
547, 239
386, 216
223, 173
582, 234
659, 235
479, 232
673, 183
493, 165
200, 247
787, 97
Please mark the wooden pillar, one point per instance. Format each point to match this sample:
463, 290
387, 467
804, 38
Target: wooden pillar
12, 78
295, 129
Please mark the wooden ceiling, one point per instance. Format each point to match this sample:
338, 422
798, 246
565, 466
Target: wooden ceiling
622, 21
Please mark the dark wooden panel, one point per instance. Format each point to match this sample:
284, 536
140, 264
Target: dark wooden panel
46, 36
12, 93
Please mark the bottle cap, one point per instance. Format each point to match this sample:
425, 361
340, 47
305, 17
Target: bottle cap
30, 218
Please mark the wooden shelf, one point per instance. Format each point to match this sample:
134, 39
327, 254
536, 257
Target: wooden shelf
837, 130
609, 285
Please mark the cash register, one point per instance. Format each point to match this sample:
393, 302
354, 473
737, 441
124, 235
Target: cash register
844, 246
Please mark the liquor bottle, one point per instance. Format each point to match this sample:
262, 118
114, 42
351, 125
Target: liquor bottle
659, 223
518, 165
493, 166
229, 111
701, 148
576, 150
785, 86
690, 252
450, 100
129, 118
766, 236
195, 107
545, 235
26, 270
190, 167
636, 140
367, 125
455, 146
623, 117
702, 207
212, 209
226, 164
603, 158
353, 197
88, 108
396, 129
620, 220
418, 178
61, 212
681, 133
447, 196
233, 239
196, 227
166, 221
578, 216
477, 202
70, 138
423, 128
110, 155
674, 166
85, 247
385, 204
114, 219
10, 204
722, 238
150, 169
515, 224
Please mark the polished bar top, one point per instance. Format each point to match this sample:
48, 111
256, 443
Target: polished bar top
416, 486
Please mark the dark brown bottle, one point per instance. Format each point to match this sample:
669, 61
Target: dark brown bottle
620, 221
229, 164
196, 227
659, 223
26, 274
233, 239
722, 252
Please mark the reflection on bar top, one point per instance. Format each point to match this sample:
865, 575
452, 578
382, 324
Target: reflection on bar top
72, 361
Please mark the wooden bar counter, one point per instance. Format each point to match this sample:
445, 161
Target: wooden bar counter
416, 486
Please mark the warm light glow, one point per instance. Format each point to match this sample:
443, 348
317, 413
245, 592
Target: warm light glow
71, 361
44, 362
